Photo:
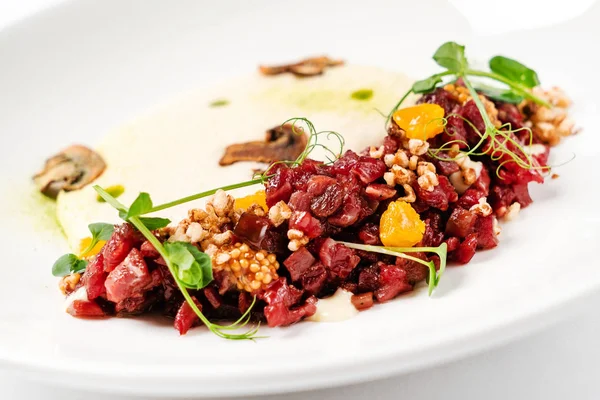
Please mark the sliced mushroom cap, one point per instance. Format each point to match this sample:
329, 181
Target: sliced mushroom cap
307, 67
71, 169
281, 143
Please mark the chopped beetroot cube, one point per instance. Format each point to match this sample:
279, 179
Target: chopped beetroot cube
484, 230
465, 250
313, 280
186, 317
213, 296
129, 278
280, 298
470, 198
444, 167
344, 164
482, 183
522, 194
440, 196
415, 272
339, 259
244, 301
118, 246
460, 223
318, 184
305, 222
369, 169
392, 281
300, 201
369, 234
298, 262
279, 187
94, 277
368, 279
362, 301
85, 309
148, 251
452, 243
380, 191
328, 201
434, 234
349, 213
390, 145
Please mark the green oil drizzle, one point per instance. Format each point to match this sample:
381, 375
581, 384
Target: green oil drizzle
362, 94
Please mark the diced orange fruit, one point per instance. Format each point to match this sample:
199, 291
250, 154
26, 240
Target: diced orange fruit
83, 245
420, 122
260, 198
400, 225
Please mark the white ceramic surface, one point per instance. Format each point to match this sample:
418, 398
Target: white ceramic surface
73, 73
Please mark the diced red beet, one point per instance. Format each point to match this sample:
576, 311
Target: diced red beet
344, 164
465, 250
390, 145
298, 262
339, 259
484, 230
314, 279
440, 197
129, 278
328, 202
509, 113
444, 167
279, 187
305, 222
148, 251
349, 213
460, 223
118, 246
522, 194
415, 272
186, 317
392, 281
469, 198
318, 184
380, 191
94, 277
244, 301
434, 233
362, 301
280, 298
368, 279
369, 234
213, 296
369, 169
452, 243
300, 201
471, 112
85, 309
442, 98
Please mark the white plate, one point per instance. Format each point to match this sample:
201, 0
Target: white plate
76, 71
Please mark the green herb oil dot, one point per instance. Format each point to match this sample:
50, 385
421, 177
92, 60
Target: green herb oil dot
114, 190
362, 94
219, 103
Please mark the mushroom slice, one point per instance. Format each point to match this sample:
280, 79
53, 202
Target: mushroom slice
307, 67
71, 169
284, 142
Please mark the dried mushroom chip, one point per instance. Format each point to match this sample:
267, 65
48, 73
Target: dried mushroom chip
307, 67
71, 169
284, 142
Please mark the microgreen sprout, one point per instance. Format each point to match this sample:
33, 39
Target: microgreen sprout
190, 268
496, 142
434, 275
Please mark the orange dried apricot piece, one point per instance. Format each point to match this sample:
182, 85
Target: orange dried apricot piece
400, 225
260, 198
420, 122
85, 242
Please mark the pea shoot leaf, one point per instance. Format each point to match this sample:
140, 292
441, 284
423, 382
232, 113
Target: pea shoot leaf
68, 264
141, 205
193, 268
451, 55
515, 71
101, 230
506, 95
426, 85
154, 223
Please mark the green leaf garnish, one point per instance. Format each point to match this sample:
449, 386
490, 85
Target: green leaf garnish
362, 94
154, 223
100, 231
114, 190
505, 95
515, 71
451, 56
434, 276
193, 267
188, 266
141, 205
426, 85
68, 264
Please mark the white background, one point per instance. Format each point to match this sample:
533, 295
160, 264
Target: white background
559, 362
